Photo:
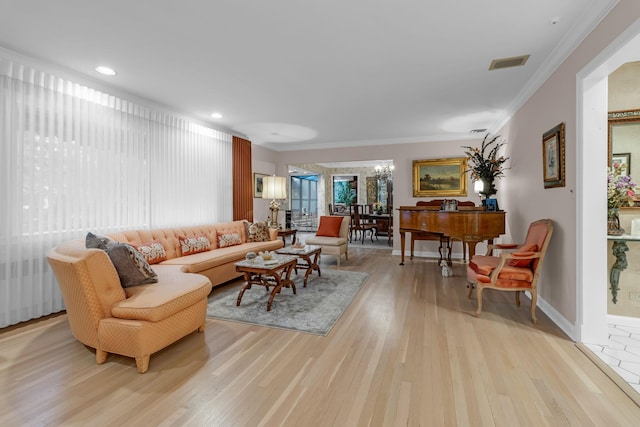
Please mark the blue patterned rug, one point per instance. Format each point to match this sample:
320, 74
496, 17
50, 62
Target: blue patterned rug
315, 309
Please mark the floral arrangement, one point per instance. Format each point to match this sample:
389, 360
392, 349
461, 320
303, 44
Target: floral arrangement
484, 163
377, 207
620, 188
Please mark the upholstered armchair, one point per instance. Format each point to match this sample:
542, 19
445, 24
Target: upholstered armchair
515, 271
134, 322
332, 236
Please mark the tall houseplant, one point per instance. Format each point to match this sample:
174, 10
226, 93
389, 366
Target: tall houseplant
485, 165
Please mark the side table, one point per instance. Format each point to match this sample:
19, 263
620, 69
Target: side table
284, 232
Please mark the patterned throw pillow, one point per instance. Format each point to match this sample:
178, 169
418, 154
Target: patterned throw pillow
228, 239
194, 244
257, 232
152, 251
131, 266
97, 242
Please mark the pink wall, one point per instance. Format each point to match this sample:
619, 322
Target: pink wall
521, 193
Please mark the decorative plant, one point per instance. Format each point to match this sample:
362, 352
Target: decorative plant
377, 207
484, 163
620, 188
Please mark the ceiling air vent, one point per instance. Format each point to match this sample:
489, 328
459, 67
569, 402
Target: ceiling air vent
516, 61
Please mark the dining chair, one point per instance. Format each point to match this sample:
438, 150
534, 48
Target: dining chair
516, 271
359, 223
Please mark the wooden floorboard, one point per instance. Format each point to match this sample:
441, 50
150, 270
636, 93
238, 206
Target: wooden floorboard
408, 351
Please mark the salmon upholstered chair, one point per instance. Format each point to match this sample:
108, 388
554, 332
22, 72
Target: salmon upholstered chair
515, 271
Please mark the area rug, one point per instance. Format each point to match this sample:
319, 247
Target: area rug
315, 309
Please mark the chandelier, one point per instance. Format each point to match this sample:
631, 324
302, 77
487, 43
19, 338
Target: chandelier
384, 172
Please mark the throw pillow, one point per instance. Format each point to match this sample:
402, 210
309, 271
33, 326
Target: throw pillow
193, 245
257, 232
152, 251
329, 226
525, 250
97, 242
228, 239
131, 266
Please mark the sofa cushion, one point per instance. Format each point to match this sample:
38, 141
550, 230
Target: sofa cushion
174, 292
257, 231
131, 266
206, 260
193, 244
153, 251
329, 226
97, 242
228, 239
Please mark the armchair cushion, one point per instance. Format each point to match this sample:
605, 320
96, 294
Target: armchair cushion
481, 266
329, 226
525, 250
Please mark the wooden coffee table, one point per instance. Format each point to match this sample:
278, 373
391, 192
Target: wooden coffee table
309, 254
267, 274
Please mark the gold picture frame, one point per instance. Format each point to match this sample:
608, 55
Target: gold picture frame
257, 184
553, 157
440, 177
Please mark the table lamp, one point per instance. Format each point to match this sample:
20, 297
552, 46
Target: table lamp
274, 187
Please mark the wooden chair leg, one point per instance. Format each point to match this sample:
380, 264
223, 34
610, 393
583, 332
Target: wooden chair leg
470, 289
479, 297
518, 298
534, 304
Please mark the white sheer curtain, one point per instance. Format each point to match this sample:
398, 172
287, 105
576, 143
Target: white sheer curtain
73, 160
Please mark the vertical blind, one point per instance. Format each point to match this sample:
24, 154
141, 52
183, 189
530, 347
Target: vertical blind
73, 160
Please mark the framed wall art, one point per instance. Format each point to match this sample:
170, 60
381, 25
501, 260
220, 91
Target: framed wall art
440, 177
257, 184
624, 160
553, 173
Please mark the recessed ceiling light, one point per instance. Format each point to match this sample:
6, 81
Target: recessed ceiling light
216, 115
105, 70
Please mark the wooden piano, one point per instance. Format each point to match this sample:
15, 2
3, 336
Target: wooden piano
469, 225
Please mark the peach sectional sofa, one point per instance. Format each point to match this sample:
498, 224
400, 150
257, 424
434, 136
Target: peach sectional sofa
138, 321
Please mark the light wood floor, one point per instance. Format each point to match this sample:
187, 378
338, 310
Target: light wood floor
408, 351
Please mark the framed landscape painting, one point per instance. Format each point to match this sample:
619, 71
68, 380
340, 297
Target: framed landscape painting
440, 177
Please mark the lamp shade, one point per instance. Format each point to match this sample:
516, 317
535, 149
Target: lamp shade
274, 187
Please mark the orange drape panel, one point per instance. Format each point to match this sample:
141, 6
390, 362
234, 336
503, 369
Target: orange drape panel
242, 180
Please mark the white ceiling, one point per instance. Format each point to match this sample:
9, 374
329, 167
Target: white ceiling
295, 74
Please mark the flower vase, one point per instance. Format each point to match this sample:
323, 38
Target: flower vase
488, 189
613, 223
